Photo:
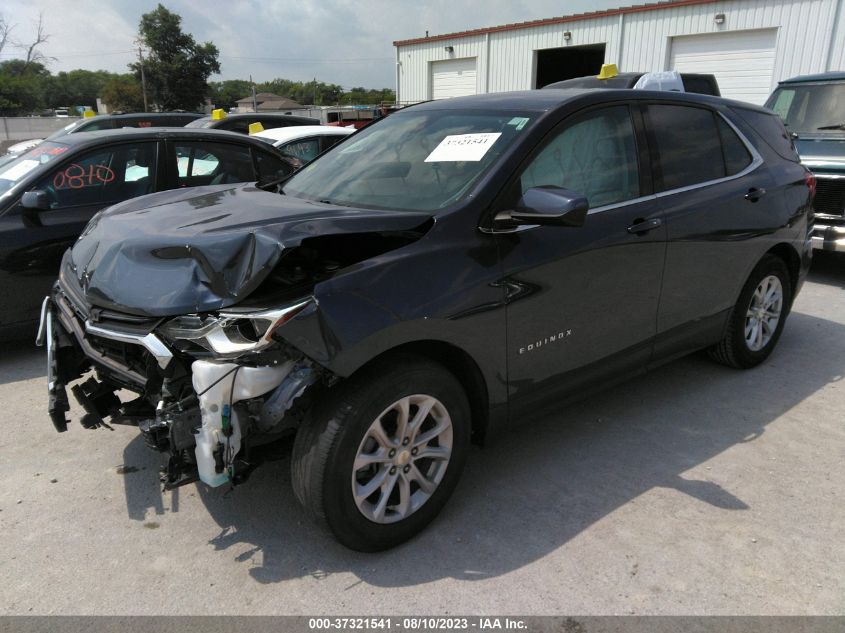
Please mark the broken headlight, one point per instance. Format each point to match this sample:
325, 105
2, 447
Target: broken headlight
229, 334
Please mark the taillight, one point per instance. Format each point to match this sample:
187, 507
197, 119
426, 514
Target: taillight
810, 181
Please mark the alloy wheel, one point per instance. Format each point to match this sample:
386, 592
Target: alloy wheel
764, 312
402, 458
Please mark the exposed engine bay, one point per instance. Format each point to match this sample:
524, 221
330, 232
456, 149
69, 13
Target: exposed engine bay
211, 387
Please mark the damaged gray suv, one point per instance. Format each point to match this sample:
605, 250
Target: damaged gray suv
436, 277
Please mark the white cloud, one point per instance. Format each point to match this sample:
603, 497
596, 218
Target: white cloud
339, 41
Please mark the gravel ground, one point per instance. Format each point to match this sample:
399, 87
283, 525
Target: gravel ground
693, 490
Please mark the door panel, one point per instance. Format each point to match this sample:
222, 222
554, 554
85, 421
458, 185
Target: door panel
582, 301
713, 227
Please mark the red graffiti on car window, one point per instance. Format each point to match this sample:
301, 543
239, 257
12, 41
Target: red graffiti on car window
76, 176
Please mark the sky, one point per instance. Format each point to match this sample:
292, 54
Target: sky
349, 43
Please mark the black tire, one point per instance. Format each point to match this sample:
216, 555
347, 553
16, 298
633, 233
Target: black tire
733, 350
326, 446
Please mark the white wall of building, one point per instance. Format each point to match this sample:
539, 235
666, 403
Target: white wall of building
809, 38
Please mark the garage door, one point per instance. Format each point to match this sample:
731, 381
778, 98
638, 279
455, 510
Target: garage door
742, 61
453, 78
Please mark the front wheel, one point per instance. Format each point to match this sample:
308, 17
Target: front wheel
757, 319
382, 454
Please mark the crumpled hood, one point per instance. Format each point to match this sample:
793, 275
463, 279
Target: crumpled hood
205, 248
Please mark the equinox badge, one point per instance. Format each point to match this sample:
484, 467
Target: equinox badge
545, 341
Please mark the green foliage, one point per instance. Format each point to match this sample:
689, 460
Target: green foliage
225, 94
177, 68
22, 87
123, 93
76, 88
321, 93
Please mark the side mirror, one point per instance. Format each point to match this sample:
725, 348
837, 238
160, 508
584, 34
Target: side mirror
551, 205
35, 199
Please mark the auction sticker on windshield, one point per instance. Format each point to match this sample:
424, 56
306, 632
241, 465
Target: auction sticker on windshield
468, 147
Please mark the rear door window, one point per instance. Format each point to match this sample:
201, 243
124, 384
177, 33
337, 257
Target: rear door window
201, 163
734, 151
687, 144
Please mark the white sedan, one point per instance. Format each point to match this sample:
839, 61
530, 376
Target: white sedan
305, 142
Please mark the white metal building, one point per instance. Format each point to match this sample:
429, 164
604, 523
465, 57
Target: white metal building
749, 45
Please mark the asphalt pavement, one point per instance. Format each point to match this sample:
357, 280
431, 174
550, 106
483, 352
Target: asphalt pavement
696, 489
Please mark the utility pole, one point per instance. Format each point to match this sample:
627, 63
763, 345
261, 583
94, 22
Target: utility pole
143, 77
315, 91
254, 103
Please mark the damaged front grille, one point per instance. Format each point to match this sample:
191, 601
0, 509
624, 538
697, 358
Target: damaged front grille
128, 361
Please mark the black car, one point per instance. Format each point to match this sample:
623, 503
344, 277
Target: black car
49, 193
241, 122
432, 280
693, 82
813, 107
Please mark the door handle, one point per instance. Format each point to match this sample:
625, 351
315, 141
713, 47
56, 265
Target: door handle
642, 226
754, 194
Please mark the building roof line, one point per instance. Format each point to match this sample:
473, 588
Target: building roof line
559, 20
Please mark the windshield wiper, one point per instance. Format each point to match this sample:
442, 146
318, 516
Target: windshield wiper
266, 186
838, 126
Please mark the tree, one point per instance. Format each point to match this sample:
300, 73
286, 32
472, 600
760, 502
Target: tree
123, 93
5, 33
33, 55
76, 87
22, 87
225, 94
177, 68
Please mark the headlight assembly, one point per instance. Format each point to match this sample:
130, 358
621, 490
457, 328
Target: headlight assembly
230, 334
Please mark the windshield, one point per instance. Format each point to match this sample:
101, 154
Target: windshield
811, 108
15, 170
65, 130
410, 161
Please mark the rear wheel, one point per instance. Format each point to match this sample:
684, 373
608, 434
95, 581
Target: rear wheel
381, 456
757, 319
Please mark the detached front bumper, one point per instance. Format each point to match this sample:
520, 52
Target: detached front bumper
57, 396
75, 345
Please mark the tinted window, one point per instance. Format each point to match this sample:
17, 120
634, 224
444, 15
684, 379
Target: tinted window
238, 125
271, 167
595, 155
701, 85
734, 151
688, 147
202, 163
102, 177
